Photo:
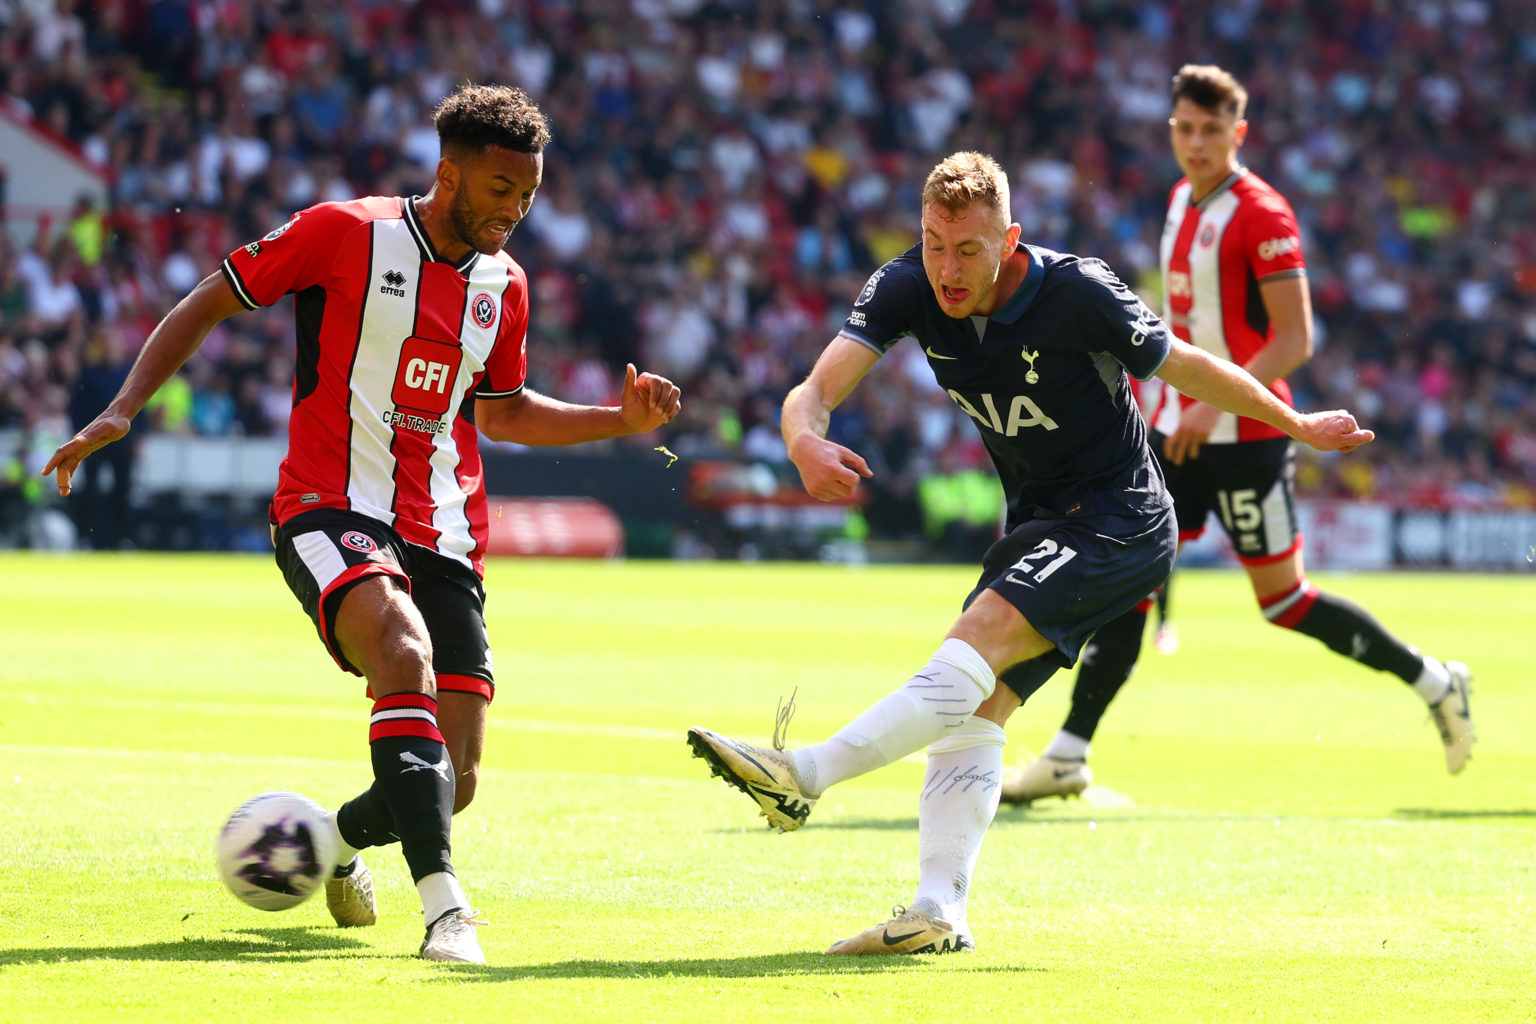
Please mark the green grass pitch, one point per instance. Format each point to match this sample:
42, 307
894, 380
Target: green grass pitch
1293, 849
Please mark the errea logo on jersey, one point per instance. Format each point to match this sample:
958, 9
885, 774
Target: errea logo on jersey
1273, 247
394, 284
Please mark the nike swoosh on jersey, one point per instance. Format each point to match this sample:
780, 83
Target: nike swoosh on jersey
934, 355
1022, 582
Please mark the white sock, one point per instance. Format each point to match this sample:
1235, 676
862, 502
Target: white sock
344, 852
1066, 746
1434, 681
930, 705
440, 893
958, 803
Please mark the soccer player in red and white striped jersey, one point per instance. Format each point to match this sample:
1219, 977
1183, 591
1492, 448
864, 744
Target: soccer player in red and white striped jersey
411, 331
1234, 284
391, 338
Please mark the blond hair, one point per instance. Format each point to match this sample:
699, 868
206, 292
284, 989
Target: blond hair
968, 179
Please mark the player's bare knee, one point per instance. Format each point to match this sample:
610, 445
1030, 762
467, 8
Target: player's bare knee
412, 655
999, 632
402, 664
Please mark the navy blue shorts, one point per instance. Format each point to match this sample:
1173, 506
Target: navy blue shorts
326, 552
1070, 576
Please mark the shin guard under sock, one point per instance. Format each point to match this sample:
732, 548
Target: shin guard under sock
414, 777
929, 706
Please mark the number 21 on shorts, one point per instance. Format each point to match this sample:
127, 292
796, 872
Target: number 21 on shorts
1040, 563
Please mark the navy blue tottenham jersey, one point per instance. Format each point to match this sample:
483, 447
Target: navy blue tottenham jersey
1044, 378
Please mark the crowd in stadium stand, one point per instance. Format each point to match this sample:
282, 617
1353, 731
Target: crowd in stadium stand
725, 175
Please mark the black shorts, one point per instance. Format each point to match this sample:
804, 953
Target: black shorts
324, 553
1070, 576
1250, 486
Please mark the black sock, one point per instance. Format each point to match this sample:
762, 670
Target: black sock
1348, 629
413, 779
1106, 664
365, 820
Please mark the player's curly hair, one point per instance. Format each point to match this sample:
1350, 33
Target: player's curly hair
967, 179
475, 116
1210, 88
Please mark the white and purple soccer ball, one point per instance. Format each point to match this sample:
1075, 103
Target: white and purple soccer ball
276, 850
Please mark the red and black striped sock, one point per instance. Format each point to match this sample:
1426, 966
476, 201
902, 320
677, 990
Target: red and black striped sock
1345, 628
412, 794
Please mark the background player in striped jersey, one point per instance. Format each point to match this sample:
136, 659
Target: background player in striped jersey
411, 330
1234, 284
1034, 346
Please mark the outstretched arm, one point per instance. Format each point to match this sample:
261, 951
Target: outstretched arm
170, 344
828, 470
645, 403
1215, 381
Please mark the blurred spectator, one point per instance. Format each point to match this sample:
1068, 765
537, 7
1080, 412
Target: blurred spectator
962, 502
725, 176
87, 231
169, 410
100, 502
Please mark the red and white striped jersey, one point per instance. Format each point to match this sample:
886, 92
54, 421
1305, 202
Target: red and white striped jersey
1214, 254
392, 342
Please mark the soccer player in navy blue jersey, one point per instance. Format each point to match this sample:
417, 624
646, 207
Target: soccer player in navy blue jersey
1035, 347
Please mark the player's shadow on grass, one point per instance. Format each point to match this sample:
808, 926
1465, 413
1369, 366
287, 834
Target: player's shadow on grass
1459, 814
1123, 816
1006, 815
286, 944
767, 966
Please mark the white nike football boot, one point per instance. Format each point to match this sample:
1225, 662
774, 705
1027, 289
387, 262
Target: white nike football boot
350, 897
452, 939
1046, 776
1453, 717
765, 775
908, 931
